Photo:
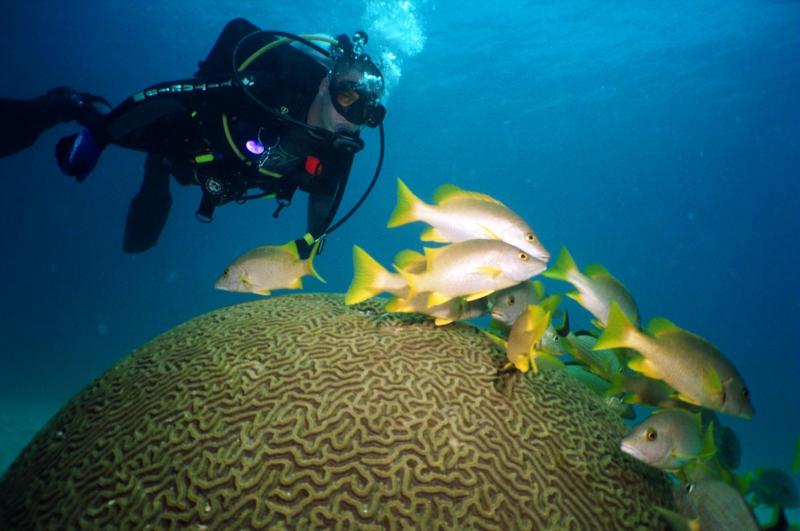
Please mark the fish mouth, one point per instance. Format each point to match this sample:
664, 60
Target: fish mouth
631, 450
499, 316
542, 255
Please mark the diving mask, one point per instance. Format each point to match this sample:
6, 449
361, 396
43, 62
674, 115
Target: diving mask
356, 84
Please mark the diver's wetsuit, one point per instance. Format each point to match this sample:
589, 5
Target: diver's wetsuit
182, 126
22, 121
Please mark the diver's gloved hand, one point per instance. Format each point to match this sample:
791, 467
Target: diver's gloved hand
67, 104
77, 154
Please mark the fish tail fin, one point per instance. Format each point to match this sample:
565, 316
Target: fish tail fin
617, 330
366, 271
407, 206
564, 267
310, 262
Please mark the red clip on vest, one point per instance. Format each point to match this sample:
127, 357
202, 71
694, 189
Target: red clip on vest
313, 166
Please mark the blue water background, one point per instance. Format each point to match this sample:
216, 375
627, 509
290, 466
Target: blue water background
661, 139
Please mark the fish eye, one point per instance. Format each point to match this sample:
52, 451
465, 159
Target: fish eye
511, 299
651, 434
746, 392
530, 237
690, 488
523, 256
225, 273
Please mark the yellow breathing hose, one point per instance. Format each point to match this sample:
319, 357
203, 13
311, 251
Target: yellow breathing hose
247, 62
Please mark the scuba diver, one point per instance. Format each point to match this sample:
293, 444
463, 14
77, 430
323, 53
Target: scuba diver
266, 113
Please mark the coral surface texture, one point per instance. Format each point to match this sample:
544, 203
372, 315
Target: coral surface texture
300, 412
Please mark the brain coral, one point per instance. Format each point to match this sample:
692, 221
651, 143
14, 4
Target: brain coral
301, 412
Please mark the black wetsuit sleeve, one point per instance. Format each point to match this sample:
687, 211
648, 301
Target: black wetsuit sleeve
22, 121
220, 58
325, 198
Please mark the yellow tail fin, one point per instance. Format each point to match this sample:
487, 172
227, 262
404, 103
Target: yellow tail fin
563, 267
366, 271
407, 203
310, 262
617, 332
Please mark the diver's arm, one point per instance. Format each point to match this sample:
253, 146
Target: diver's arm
324, 197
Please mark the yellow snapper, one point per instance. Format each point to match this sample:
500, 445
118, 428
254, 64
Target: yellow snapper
595, 288
456, 309
710, 505
509, 303
604, 363
669, 439
600, 387
640, 389
266, 268
690, 364
459, 215
472, 269
526, 334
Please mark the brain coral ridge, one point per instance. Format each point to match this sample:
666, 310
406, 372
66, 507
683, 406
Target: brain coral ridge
301, 412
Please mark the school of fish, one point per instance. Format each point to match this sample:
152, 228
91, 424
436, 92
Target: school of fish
484, 265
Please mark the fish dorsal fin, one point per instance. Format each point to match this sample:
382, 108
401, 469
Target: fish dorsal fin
291, 248
596, 270
658, 326
430, 255
450, 192
409, 260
